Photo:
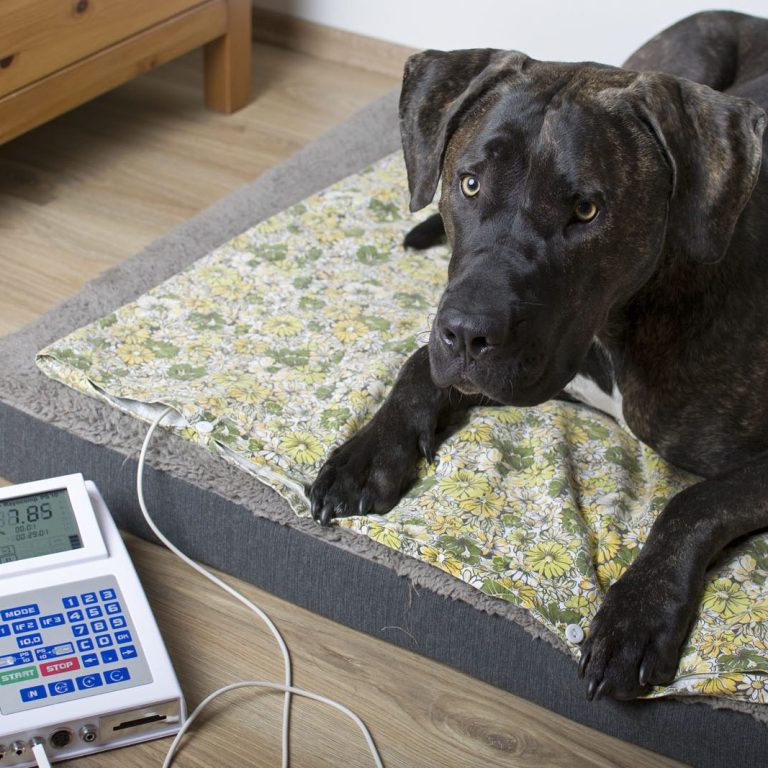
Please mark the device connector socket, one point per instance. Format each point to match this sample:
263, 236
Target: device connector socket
60, 738
18, 748
88, 734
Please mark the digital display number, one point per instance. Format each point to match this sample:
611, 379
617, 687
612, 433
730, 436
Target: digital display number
37, 525
32, 514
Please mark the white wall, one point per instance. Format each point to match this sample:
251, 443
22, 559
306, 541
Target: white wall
567, 30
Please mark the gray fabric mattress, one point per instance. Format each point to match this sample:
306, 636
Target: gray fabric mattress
247, 530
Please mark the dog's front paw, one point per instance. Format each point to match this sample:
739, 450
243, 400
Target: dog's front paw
635, 639
370, 472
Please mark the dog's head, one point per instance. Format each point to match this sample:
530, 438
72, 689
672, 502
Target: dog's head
563, 188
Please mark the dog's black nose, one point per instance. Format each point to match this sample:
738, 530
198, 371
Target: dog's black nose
469, 335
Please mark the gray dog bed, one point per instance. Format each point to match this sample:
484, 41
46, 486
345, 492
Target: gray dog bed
248, 530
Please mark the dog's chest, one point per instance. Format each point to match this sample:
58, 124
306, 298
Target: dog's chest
586, 391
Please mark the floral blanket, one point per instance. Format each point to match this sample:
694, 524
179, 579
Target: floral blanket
284, 341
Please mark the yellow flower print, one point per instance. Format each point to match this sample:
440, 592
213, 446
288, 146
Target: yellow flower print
202, 304
243, 241
636, 537
723, 685
714, 644
525, 592
508, 415
607, 543
548, 558
725, 598
349, 329
250, 345
248, 393
303, 447
361, 399
213, 403
476, 433
441, 524
463, 484
486, 505
130, 335
442, 559
576, 434
756, 612
579, 603
135, 354
282, 326
330, 235
593, 485
386, 535
608, 573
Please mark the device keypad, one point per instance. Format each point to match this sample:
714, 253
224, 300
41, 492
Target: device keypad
67, 642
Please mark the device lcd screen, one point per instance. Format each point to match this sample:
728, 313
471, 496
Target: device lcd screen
36, 525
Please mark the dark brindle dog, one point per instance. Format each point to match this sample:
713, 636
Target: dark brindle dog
609, 225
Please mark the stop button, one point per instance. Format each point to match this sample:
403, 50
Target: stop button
60, 666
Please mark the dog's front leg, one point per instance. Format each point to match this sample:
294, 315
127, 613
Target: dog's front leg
370, 472
636, 637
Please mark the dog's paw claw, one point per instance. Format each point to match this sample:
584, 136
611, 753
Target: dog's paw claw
427, 447
633, 643
367, 474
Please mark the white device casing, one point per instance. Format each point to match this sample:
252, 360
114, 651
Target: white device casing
103, 554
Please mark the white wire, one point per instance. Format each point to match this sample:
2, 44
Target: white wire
288, 687
38, 750
277, 687
219, 583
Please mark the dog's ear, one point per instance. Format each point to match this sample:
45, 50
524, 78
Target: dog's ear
438, 88
712, 143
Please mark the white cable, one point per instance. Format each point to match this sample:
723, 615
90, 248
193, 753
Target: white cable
287, 688
38, 750
218, 582
276, 687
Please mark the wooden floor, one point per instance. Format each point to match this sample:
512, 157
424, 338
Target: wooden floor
91, 189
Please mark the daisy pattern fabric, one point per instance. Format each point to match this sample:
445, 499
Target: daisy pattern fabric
283, 342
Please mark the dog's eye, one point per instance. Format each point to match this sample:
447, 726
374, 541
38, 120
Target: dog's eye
470, 186
585, 210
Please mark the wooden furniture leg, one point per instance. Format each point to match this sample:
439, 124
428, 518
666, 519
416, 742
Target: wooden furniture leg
228, 61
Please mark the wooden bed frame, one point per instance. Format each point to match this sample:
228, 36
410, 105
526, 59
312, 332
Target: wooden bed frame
57, 54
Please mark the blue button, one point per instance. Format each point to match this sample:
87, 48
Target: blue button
54, 620
119, 675
99, 626
34, 693
27, 641
104, 641
89, 598
93, 612
90, 660
5, 630
86, 644
118, 622
85, 682
112, 608
123, 637
14, 659
61, 687
107, 594
108, 657
129, 652
80, 630
20, 612
54, 651
74, 616
70, 602
29, 625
